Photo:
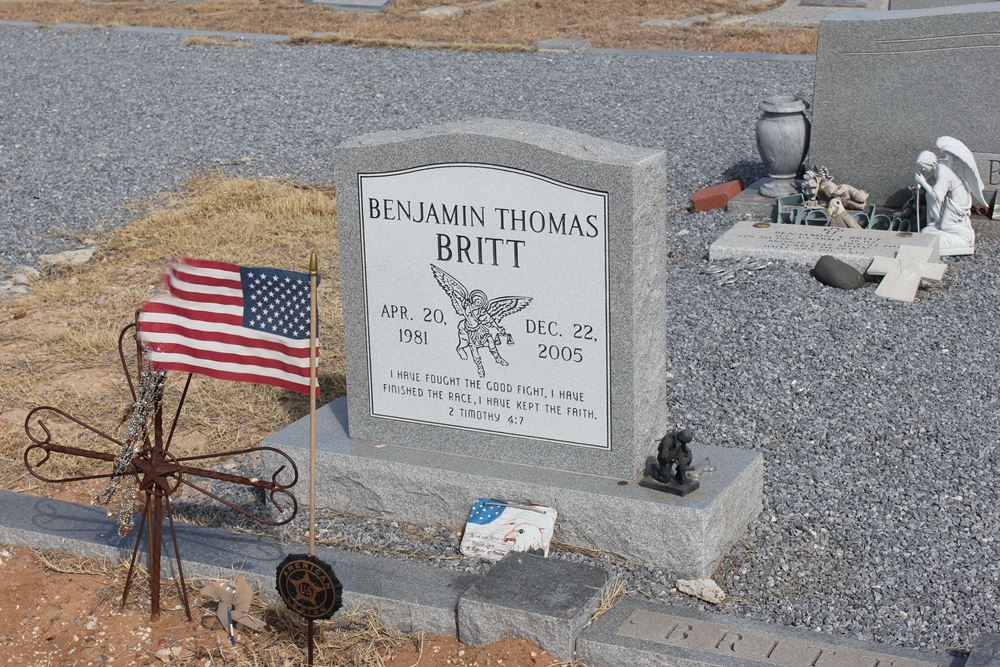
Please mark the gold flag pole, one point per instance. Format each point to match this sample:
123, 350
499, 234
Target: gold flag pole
313, 324
313, 273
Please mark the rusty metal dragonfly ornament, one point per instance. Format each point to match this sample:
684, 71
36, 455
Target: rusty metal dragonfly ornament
157, 473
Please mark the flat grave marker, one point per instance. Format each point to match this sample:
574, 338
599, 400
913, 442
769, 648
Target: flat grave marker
805, 244
645, 634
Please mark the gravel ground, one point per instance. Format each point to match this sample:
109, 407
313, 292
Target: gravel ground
878, 421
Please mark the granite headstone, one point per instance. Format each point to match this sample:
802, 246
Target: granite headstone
504, 306
504, 293
889, 83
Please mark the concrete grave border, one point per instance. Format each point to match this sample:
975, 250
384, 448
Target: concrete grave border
415, 597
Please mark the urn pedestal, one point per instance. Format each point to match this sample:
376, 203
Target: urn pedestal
783, 141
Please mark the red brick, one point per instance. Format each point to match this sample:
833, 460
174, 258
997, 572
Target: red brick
716, 196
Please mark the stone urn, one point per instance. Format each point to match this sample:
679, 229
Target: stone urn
783, 141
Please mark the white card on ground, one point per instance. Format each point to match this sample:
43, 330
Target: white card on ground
496, 527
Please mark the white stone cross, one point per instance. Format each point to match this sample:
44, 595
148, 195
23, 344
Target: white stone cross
904, 274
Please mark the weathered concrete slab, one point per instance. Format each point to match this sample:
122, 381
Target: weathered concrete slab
889, 83
353, 5
805, 244
545, 601
686, 535
411, 596
642, 634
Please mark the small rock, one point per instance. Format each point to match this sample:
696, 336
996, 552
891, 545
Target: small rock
442, 12
703, 589
24, 274
835, 273
91, 623
68, 257
7, 286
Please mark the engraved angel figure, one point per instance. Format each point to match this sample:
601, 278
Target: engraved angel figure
480, 324
951, 185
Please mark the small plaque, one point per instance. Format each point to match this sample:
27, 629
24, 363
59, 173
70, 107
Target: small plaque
731, 640
309, 587
496, 527
486, 301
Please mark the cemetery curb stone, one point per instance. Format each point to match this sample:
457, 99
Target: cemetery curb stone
442, 12
686, 535
601, 645
353, 5
898, 5
563, 45
986, 652
412, 597
527, 596
855, 4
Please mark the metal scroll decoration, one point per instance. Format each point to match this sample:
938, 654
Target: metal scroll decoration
145, 464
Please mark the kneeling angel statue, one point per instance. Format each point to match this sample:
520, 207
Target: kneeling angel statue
951, 184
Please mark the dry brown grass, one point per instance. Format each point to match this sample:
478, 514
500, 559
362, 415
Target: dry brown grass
518, 24
613, 591
58, 345
355, 637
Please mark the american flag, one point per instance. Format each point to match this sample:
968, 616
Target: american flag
231, 322
486, 510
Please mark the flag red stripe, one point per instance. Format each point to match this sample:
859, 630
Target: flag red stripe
204, 316
202, 298
206, 280
211, 264
237, 377
230, 339
228, 357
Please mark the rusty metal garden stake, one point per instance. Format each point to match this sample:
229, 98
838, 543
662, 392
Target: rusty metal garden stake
158, 475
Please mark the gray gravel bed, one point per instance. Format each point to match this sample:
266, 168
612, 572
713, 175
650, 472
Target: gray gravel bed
91, 119
878, 421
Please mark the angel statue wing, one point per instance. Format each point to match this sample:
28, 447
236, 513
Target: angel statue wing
503, 306
964, 166
455, 290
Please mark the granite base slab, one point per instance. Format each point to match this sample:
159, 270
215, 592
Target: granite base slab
686, 535
642, 634
531, 597
752, 203
411, 597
